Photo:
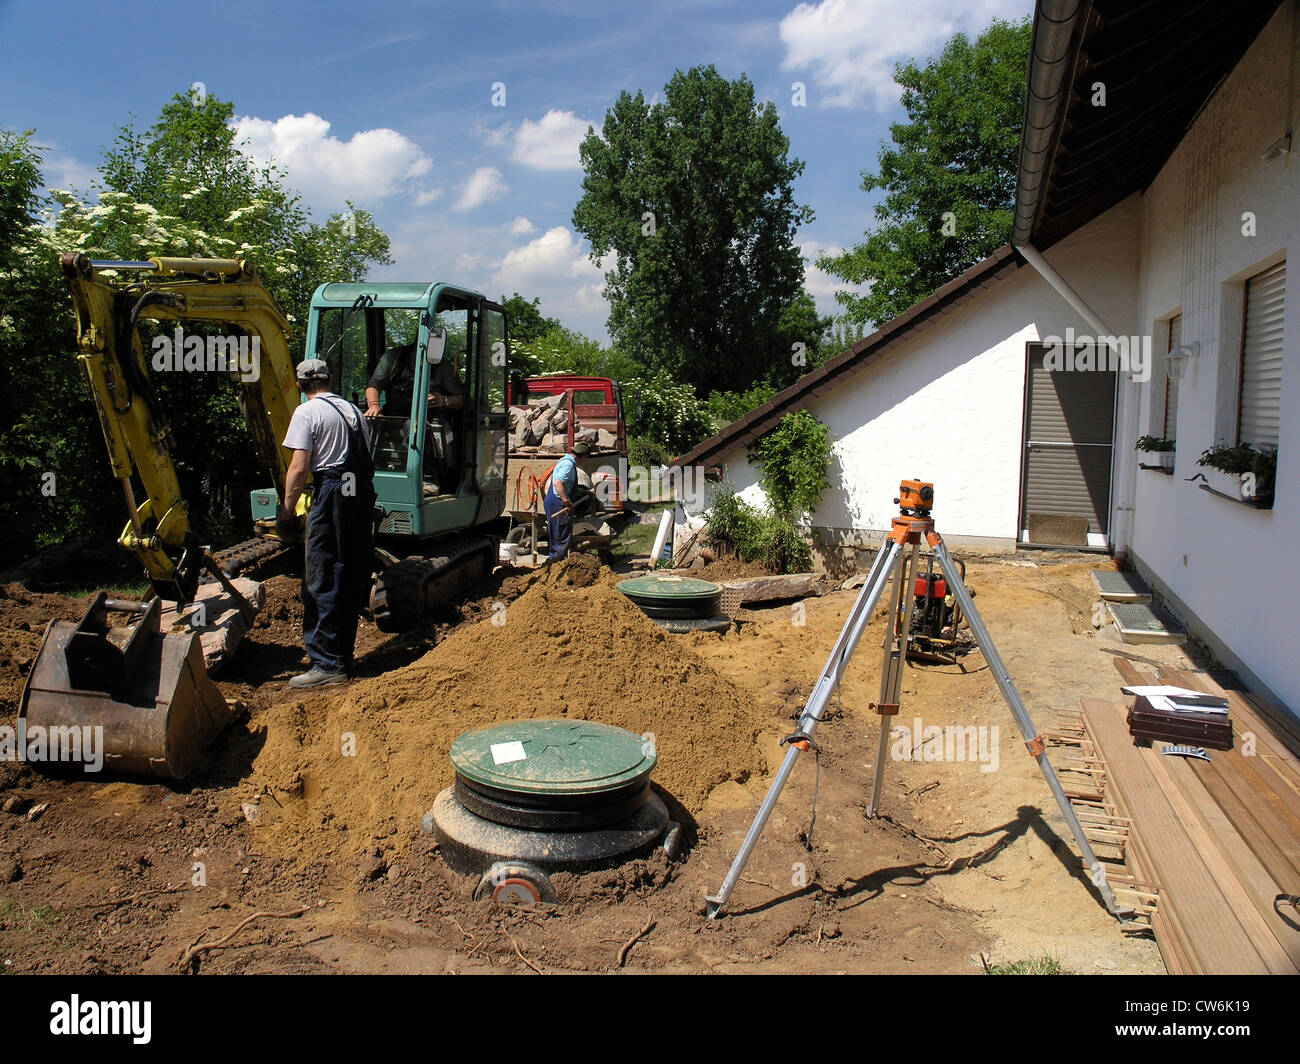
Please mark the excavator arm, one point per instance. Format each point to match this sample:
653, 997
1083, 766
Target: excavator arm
135, 427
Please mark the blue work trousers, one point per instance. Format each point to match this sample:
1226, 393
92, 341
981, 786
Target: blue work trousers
559, 526
336, 581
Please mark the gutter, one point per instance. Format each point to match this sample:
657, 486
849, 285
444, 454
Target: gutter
1051, 63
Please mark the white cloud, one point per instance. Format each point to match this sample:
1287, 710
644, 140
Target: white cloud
521, 226
496, 136
483, 186
372, 164
821, 285
556, 253
427, 196
853, 45
69, 174
550, 143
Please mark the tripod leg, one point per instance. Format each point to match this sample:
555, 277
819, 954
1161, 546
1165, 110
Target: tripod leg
1033, 740
857, 621
891, 672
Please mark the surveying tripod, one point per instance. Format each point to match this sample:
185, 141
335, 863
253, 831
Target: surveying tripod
913, 523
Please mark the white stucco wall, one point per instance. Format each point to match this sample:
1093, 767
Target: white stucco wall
948, 405
1231, 567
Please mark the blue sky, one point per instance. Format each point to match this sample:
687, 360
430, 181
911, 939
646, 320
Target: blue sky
390, 105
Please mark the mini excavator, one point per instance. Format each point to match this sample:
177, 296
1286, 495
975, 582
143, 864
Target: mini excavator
439, 476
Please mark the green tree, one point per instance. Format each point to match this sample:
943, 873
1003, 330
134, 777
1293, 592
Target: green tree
51, 487
950, 177
727, 407
563, 350
525, 317
694, 199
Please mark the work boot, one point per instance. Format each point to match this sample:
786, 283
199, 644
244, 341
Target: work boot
316, 676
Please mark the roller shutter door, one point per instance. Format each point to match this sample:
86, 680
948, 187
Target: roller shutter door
1069, 433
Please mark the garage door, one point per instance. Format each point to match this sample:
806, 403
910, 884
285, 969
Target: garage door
1065, 474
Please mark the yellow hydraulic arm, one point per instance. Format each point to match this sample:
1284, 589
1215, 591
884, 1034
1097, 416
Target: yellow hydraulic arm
135, 428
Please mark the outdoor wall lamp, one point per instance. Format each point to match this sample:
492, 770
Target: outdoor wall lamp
1179, 357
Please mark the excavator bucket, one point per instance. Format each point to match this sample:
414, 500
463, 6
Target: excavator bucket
149, 692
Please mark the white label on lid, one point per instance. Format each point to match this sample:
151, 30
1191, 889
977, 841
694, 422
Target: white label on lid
504, 753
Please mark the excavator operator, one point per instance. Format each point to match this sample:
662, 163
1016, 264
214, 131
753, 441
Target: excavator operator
395, 377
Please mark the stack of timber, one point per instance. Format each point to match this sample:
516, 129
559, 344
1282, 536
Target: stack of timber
1216, 842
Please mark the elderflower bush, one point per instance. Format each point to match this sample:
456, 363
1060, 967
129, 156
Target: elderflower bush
665, 411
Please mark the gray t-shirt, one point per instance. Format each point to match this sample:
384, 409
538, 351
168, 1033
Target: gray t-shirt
317, 426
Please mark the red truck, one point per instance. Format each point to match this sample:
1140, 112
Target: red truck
594, 403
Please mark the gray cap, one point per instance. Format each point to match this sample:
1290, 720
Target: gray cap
313, 369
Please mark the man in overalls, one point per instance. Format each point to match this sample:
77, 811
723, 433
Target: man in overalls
560, 499
329, 438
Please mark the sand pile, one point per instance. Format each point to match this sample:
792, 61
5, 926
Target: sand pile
371, 760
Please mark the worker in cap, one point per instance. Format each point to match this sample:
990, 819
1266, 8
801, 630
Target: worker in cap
559, 500
329, 439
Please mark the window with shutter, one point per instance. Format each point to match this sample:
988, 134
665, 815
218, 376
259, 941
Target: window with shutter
1260, 408
1175, 338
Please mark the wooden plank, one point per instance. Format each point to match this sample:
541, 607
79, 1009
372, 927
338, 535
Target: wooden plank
1260, 887
1269, 744
1247, 789
1216, 937
1275, 847
1226, 876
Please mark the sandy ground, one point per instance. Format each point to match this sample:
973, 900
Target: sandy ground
962, 863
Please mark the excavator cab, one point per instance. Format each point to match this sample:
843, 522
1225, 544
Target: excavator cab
439, 446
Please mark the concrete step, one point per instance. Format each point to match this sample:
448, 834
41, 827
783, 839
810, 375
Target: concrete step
1139, 622
1120, 587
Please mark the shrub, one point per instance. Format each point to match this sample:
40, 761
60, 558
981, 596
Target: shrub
642, 451
660, 409
768, 538
727, 407
793, 458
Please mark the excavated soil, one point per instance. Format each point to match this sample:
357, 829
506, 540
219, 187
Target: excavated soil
571, 646
308, 810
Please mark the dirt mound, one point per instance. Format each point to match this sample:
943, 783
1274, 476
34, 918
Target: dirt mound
345, 770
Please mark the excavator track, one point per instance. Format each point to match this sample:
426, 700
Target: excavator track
234, 560
405, 593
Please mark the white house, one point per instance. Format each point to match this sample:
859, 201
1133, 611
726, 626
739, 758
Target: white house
1157, 203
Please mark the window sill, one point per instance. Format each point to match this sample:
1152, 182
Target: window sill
1253, 504
1166, 470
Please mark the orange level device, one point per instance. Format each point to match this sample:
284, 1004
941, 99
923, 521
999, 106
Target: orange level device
915, 495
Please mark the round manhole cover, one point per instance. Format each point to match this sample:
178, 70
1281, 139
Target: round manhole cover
553, 757
668, 589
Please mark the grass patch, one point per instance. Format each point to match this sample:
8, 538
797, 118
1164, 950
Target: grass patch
637, 540
1044, 965
20, 918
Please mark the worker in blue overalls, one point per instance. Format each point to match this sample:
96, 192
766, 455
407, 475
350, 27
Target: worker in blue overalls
560, 498
328, 437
